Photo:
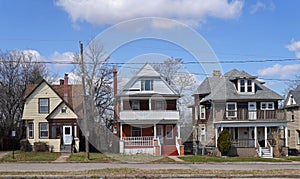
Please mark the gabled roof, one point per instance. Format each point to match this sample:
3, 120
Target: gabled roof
147, 71
296, 95
59, 90
223, 88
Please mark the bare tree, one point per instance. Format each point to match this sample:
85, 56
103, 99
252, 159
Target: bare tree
98, 76
291, 85
17, 69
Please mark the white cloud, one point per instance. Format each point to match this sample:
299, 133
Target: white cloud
103, 12
294, 46
282, 71
62, 57
34, 54
262, 6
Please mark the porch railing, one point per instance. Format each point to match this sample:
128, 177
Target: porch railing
138, 141
245, 114
243, 143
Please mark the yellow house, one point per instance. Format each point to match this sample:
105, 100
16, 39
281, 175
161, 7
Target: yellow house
51, 114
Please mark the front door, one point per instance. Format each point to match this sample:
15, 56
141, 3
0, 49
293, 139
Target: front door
252, 110
160, 133
67, 135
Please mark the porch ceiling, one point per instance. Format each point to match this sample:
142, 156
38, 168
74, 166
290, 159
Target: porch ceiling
251, 123
138, 121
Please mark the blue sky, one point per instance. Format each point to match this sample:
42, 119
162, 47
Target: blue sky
235, 30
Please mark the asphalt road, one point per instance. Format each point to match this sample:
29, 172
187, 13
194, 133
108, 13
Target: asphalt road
93, 166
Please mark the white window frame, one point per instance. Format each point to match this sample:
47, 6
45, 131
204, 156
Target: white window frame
40, 130
135, 105
298, 136
246, 85
243, 86
138, 129
160, 105
249, 86
143, 85
203, 132
267, 106
42, 105
231, 110
31, 130
169, 134
202, 107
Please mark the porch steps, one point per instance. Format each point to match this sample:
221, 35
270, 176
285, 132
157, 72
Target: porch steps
169, 150
65, 149
266, 153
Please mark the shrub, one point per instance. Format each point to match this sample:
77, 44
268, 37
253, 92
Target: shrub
224, 142
25, 146
41, 147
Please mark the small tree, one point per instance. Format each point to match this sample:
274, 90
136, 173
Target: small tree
224, 142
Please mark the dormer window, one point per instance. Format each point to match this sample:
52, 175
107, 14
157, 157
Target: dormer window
147, 85
245, 86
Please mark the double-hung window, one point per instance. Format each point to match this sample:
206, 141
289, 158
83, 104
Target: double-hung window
298, 131
202, 112
30, 130
242, 86
43, 105
147, 85
267, 105
231, 109
249, 86
136, 131
43, 130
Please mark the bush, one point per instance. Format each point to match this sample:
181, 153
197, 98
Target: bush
25, 145
224, 142
41, 147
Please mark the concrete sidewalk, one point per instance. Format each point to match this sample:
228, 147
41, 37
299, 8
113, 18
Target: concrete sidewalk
2, 154
62, 158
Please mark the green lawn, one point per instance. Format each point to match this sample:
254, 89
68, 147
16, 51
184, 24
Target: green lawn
94, 157
203, 159
30, 156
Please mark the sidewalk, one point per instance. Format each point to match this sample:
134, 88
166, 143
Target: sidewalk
175, 158
62, 158
2, 154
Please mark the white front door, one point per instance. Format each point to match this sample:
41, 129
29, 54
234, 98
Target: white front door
160, 133
67, 135
252, 110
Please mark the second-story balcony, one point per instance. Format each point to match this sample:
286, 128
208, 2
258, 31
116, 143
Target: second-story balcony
149, 115
244, 114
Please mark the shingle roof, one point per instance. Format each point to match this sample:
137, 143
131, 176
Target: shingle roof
296, 94
223, 88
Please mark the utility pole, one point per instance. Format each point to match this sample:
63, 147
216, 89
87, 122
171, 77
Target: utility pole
85, 120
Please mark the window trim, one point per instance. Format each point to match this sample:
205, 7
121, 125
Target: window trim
39, 105
245, 86
40, 136
170, 133
143, 85
267, 106
32, 130
298, 141
204, 116
235, 109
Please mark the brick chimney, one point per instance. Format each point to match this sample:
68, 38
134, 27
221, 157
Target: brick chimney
115, 76
217, 73
66, 81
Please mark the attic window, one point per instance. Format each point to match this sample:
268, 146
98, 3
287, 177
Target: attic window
64, 109
147, 85
245, 86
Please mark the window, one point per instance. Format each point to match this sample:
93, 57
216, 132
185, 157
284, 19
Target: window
135, 105
169, 130
43, 105
136, 131
30, 130
242, 86
249, 85
43, 130
55, 132
292, 115
159, 105
202, 112
147, 85
267, 106
64, 109
202, 134
298, 136
231, 109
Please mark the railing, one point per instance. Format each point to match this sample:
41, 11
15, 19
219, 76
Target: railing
159, 145
245, 114
258, 149
243, 143
138, 141
149, 115
270, 147
177, 145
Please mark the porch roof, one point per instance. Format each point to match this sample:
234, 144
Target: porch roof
256, 123
139, 121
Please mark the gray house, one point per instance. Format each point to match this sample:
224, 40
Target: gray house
239, 102
292, 106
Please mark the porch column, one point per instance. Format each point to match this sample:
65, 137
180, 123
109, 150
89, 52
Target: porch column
216, 136
121, 131
266, 136
150, 104
154, 131
221, 128
286, 136
178, 131
255, 136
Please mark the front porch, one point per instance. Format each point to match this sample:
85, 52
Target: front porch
263, 139
155, 139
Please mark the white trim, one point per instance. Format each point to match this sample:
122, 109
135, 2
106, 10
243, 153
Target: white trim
267, 105
235, 109
202, 107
